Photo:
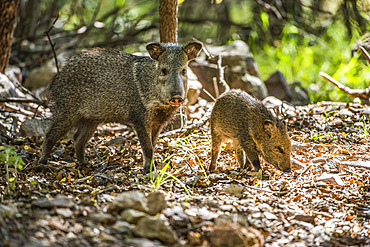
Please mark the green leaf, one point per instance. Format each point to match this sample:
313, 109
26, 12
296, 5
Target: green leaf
120, 3
259, 174
265, 21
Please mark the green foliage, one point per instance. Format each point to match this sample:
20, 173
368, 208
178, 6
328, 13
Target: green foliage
160, 177
9, 157
363, 129
301, 56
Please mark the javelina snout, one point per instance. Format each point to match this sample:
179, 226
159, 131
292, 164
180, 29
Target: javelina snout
176, 100
253, 129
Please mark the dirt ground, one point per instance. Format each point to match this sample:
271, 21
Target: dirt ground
324, 201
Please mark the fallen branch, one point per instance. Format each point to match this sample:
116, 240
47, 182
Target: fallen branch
209, 94
222, 74
361, 93
364, 52
20, 100
361, 164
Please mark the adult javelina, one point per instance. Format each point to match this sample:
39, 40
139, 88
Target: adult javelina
253, 129
105, 85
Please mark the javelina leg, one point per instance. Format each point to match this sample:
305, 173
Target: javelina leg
155, 133
146, 146
56, 131
240, 157
216, 144
85, 130
252, 155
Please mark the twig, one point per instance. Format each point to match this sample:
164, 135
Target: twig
362, 93
306, 170
12, 108
361, 164
365, 53
20, 100
270, 8
222, 74
53, 44
209, 94
217, 92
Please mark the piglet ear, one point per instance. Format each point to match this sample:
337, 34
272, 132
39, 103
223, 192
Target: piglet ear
192, 49
269, 127
284, 125
155, 50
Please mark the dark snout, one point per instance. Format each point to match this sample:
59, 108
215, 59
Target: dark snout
287, 170
176, 100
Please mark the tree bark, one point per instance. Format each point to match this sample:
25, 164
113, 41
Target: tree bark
168, 21
8, 11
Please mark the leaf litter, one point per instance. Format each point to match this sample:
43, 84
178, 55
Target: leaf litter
324, 201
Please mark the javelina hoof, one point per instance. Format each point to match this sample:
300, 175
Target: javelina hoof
152, 168
42, 162
84, 162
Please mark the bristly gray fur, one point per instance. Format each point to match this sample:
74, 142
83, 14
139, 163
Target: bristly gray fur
106, 85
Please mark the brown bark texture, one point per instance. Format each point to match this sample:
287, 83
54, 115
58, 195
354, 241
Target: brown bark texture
168, 21
8, 11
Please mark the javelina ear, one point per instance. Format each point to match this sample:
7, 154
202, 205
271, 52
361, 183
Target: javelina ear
155, 50
192, 49
269, 127
284, 125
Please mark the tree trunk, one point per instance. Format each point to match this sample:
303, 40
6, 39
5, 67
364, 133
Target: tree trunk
168, 21
8, 11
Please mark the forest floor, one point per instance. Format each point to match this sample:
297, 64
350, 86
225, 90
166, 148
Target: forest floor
324, 201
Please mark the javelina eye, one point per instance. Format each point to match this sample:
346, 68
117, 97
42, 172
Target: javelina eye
183, 72
280, 150
164, 72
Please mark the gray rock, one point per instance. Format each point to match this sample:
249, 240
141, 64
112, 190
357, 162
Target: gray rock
129, 200
278, 87
122, 226
41, 77
7, 88
156, 203
195, 88
58, 202
7, 212
177, 217
118, 141
14, 74
34, 127
103, 218
228, 234
299, 93
65, 212
141, 242
241, 70
132, 216
153, 228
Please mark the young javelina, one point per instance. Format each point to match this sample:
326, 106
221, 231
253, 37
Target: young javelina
105, 85
253, 129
